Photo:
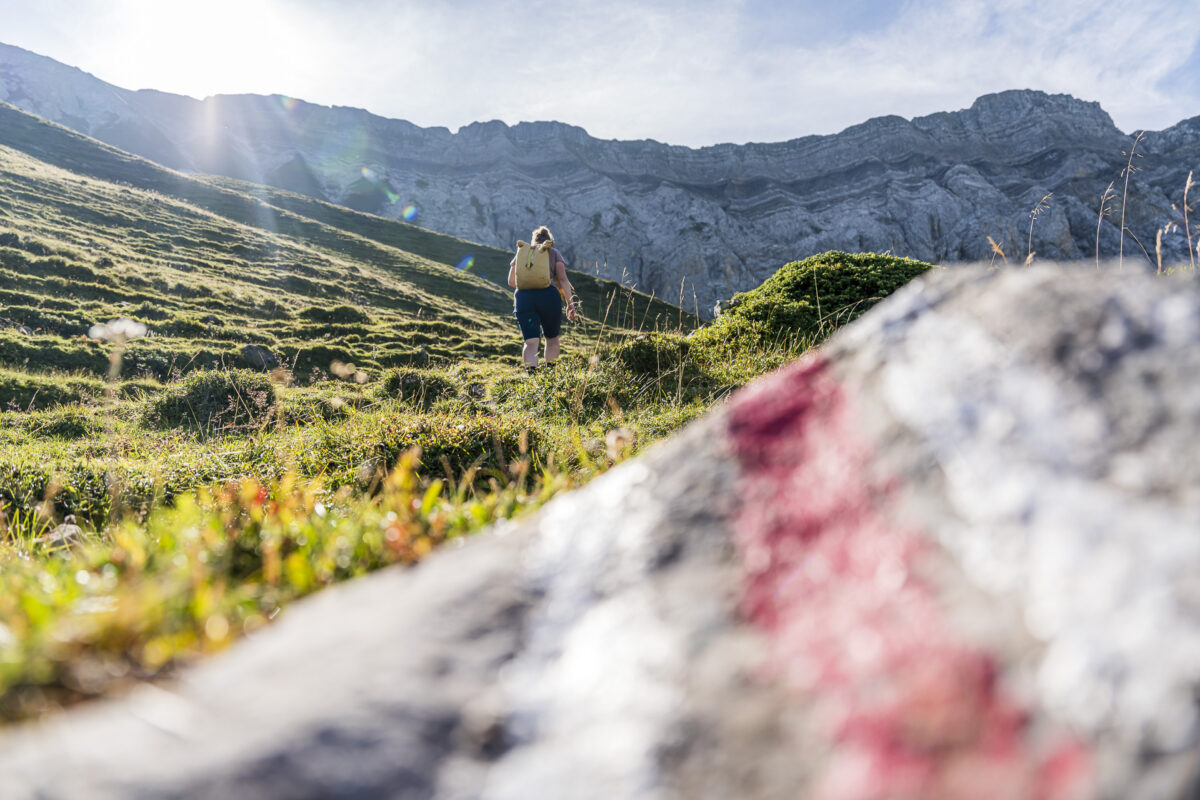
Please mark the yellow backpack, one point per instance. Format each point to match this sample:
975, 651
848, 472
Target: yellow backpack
533, 265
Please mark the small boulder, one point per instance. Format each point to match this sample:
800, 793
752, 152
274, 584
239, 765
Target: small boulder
260, 357
66, 535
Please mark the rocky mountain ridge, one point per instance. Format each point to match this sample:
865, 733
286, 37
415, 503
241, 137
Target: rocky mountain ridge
691, 225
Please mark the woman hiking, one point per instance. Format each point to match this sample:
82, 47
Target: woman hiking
539, 274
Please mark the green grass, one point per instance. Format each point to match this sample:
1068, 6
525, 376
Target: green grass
320, 393
206, 521
798, 307
185, 581
262, 241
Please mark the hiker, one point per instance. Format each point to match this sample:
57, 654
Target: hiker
539, 274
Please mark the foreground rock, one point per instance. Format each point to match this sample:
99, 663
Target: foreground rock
951, 556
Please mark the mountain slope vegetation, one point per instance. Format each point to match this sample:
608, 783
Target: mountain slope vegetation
257, 227
242, 395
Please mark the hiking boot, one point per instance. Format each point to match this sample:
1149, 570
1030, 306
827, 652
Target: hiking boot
531, 369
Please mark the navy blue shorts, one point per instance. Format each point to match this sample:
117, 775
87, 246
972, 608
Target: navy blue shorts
538, 310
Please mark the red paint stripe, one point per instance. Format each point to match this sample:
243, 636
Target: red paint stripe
910, 709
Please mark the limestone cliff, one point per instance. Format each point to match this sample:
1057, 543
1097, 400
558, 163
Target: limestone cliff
690, 224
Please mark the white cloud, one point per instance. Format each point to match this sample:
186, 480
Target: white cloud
684, 71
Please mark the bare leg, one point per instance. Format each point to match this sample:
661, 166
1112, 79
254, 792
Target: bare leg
529, 353
552, 349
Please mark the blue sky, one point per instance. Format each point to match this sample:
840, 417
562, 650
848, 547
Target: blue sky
689, 72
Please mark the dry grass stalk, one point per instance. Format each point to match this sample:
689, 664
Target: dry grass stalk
1109, 194
1129, 170
1158, 248
1186, 225
1042, 205
997, 250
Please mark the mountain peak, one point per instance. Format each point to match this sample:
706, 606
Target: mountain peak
1016, 102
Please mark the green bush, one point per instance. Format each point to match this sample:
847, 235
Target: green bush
652, 353
456, 444
37, 318
24, 391
81, 490
215, 401
138, 389
151, 312
273, 309
416, 387
46, 353
304, 407
313, 363
576, 389
661, 421
61, 268
64, 422
810, 299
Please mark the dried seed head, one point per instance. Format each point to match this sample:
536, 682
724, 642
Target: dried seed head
119, 330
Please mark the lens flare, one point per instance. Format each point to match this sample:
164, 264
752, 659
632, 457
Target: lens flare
379, 183
289, 104
465, 263
410, 212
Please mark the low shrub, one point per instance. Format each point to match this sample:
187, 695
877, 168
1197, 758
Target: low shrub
138, 389
273, 309
61, 268
314, 362
577, 389
64, 422
343, 314
651, 353
52, 353
450, 446
215, 401
304, 407
150, 312
21, 391
814, 297
39, 319
662, 421
419, 388
81, 489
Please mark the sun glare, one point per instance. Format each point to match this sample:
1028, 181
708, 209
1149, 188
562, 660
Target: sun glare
212, 47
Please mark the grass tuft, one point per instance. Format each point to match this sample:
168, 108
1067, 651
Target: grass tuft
216, 401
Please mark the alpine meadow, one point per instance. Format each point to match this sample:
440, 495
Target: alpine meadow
684, 400
219, 397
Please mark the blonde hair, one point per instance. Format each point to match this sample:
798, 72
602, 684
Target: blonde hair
543, 234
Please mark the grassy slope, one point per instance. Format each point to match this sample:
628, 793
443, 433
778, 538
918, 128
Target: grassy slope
89, 234
336, 478
595, 295
411, 258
